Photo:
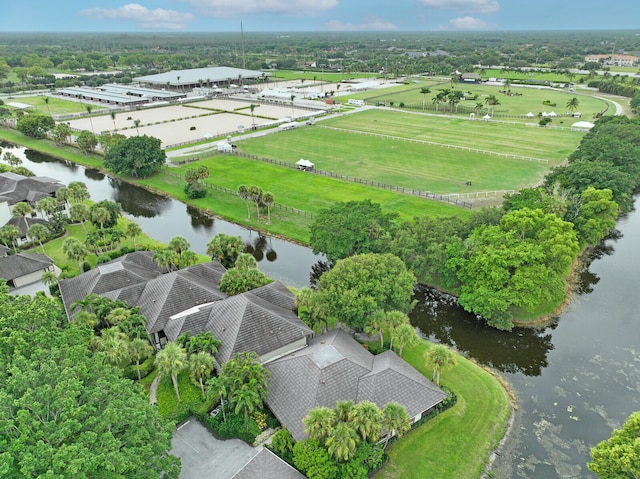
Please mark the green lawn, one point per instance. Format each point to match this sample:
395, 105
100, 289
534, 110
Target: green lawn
57, 105
514, 106
401, 163
455, 444
545, 143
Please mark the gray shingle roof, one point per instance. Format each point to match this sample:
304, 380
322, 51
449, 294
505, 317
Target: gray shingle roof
19, 222
244, 322
15, 188
266, 465
17, 265
130, 269
334, 367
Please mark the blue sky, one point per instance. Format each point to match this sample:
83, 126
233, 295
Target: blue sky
315, 15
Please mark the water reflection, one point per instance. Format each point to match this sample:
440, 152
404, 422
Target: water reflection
523, 350
137, 201
95, 175
260, 247
201, 220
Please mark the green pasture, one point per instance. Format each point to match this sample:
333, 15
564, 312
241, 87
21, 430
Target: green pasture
401, 163
551, 76
515, 105
456, 443
57, 105
552, 144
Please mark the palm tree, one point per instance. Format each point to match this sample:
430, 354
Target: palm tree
100, 216
78, 191
170, 361
39, 233
424, 91
12, 159
246, 400
319, 423
117, 315
89, 109
133, 230
343, 410
366, 420
79, 213
113, 119
9, 234
293, 113
75, 250
342, 442
440, 358
225, 249
255, 195
218, 387
252, 107
114, 344
49, 279
139, 349
376, 326
200, 367
395, 319
202, 342
136, 123
63, 194
572, 105
268, 199
405, 335
85, 319
165, 258
395, 420
243, 192
23, 209
47, 206
180, 245
46, 101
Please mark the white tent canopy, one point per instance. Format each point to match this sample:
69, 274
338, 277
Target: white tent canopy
304, 164
553, 113
583, 125
530, 115
545, 114
486, 117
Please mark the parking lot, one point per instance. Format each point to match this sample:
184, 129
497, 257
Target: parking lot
205, 457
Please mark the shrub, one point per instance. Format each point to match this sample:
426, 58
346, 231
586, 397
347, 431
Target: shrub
146, 368
194, 190
234, 426
192, 128
86, 267
103, 258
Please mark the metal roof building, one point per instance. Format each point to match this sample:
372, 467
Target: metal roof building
202, 76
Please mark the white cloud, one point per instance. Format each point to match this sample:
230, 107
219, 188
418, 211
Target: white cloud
469, 23
471, 6
145, 18
375, 24
228, 8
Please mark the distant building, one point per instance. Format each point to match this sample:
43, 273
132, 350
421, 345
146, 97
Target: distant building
613, 60
202, 77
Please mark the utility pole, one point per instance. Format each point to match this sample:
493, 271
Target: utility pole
244, 61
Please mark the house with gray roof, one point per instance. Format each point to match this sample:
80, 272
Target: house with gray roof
15, 188
335, 367
266, 465
25, 268
189, 301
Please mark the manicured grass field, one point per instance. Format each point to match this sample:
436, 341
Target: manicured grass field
455, 444
56, 106
410, 165
545, 143
529, 99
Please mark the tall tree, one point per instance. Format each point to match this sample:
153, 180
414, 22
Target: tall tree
395, 420
424, 91
75, 250
47, 206
405, 335
255, 195
217, 386
440, 358
39, 233
138, 156
342, 442
99, 216
139, 350
170, 361
114, 345
200, 368
87, 142
8, 235
179, 244
245, 400
133, 230
376, 326
22, 208
619, 456
225, 249
573, 104
319, 422
268, 200
366, 420
360, 285
243, 192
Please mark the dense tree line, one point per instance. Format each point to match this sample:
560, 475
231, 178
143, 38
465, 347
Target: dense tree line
509, 262
65, 411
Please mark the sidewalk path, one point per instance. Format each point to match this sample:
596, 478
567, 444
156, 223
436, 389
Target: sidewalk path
153, 390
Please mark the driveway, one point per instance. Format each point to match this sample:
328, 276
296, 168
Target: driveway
205, 457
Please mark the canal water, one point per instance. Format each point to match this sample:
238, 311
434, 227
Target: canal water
575, 379
163, 218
